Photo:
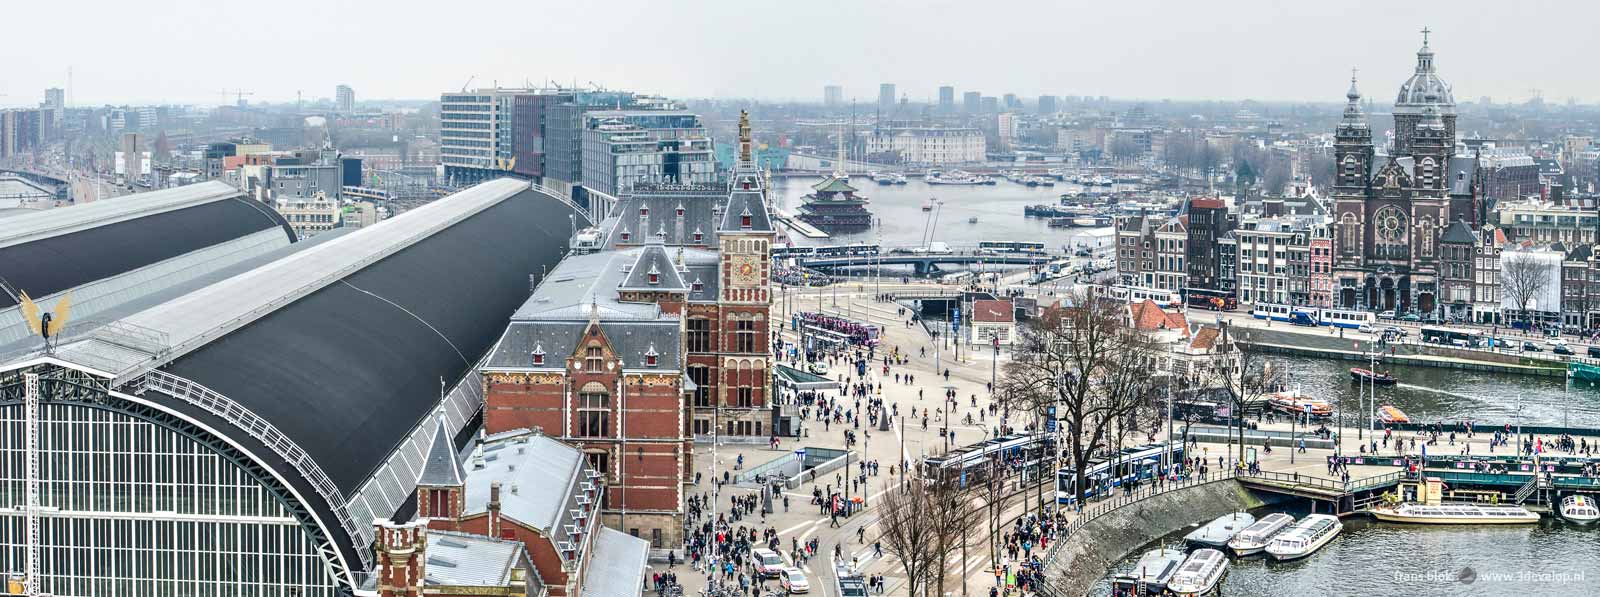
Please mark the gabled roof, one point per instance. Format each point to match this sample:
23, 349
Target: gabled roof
653, 260
1458, 232
541, 480
992, 311
617, 568
1205, 338
631, 340
742, 203
443, 466
1149, 316
468, 560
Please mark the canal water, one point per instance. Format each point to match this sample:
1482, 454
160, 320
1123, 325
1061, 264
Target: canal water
902, 223
1371, 558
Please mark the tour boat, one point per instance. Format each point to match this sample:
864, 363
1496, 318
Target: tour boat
1217, 533
927, 205
1368, 376
1293, 402
1255, 537
1455, 514
1200, 574
1305, 537
1150, 574
1389, 414
1580, 509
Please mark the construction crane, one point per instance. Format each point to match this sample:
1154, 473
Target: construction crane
469, 82
238, 94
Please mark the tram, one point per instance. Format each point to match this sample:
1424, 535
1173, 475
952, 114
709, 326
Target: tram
973, 464
1105, 473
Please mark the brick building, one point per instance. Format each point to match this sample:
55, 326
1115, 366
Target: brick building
631, 351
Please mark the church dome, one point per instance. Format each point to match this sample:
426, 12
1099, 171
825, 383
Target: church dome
1425, 88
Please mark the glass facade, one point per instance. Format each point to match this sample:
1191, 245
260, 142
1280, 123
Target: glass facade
136, 508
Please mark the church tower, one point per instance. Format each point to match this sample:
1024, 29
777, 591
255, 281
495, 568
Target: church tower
1422, 91
1353, 156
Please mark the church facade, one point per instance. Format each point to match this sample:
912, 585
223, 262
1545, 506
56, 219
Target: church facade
1390, 210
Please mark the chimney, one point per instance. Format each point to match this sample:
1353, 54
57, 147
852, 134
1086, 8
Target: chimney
494, 509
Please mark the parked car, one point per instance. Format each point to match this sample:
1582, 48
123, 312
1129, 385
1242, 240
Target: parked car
794, 581
1530, 346
1562, 350
1412, 317
1386, 314
1367, 328
767, 562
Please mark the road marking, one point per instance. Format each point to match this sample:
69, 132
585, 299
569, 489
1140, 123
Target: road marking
797, 527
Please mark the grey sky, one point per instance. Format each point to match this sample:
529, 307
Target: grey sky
186, 51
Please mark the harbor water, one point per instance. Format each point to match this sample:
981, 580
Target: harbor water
902, 223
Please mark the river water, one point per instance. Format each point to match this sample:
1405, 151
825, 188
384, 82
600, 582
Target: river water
902, 223
1376, 558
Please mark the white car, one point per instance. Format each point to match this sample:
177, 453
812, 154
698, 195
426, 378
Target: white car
1367, 328
768, 563
1386, 314
794, 581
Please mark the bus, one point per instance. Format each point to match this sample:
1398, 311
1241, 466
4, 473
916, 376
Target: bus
1135, 294
1344, 318
1214, 300
1107, 472
1449, 336
1011, 246
854, 250
1270, 311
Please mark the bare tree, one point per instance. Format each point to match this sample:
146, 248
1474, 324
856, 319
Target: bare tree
1248, 380
1086, 363
1523, 278
922, 524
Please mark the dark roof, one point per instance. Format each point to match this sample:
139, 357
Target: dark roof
630, 340
740, 203
1580, 253
653, 260
349, 369
661, 204
1458, 232
1462, 170
442, 468
92, 248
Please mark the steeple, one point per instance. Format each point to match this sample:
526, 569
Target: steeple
1425, 54
744, 137
1353, 116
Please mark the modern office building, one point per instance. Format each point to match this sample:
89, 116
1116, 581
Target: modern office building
22, 131
625, 147
1047, 104
947, 99
345, 98
886, 96
1012, 102
245, 408
55, 101
989, 105
832, 96
971, 102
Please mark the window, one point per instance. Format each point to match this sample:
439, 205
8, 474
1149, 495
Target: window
593, 360
700, 375
699, 335
745, 336
747, 396
594, 412
538, 354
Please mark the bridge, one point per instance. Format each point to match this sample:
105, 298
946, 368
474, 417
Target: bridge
924, 264
42, 186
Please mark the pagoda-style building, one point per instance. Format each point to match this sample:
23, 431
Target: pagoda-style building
833, 206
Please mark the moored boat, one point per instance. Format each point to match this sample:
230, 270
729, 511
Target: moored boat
1150, 574
1389, 415
1293, 402
1305, 537
1455, 514
1368, 376
1217, 533
1580, 509
1254, 538
1200, 574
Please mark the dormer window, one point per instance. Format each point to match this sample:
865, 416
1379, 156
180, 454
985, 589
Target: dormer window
697, 286
744, 219
680, 210
644, 211
698, 235
538, 354
655, 275
626, 234
650, 356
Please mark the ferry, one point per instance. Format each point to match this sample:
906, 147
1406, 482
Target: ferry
1390, 415
1358, 374
1294, 403
1219, 532
1455, 514
957, 177
1305, 537
1580, 509
1149, 575
1200, 574
1254, 538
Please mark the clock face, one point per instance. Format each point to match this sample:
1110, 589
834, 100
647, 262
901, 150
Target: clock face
745, 272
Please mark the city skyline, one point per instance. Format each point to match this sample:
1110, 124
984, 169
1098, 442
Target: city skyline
1237, 51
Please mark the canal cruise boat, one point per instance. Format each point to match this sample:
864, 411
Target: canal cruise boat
1201, 574
1295, 403
1391, 415
1455, 514
1580, 509
1254, 538
1360, 375
1217, 533
1150, 574
1305, 537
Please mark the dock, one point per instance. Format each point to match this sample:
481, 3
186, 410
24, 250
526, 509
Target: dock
797, 225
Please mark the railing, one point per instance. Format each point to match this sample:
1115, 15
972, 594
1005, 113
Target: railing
243, 418
1149, 490
1526, 489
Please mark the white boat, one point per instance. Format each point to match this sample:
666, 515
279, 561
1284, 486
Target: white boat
1217, 533
1254, 538
1200, 574
1150, 574
1305, 537
1580, 509
957, 177
1455, 514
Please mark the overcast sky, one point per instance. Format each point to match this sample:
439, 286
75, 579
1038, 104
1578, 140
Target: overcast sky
187, 51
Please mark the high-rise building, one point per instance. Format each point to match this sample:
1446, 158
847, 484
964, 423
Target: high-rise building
832, 96
886, 96
495, 132
1047, 104
947, 99
22, 131
1012, 102
132, 157
625, 147
1007, 128
55, 101
345, 98
990, 104
971, 102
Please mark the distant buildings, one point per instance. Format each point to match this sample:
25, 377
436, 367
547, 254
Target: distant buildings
947, 99
345, 99
1006, 125
886, 96
310, 216
24, 131
928, 145
832, 96
989, 105
1012, 102
475, 135
971, 102
622, 148
1047, 104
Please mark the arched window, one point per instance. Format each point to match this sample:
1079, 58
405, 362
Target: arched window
594, 411
1350, 235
